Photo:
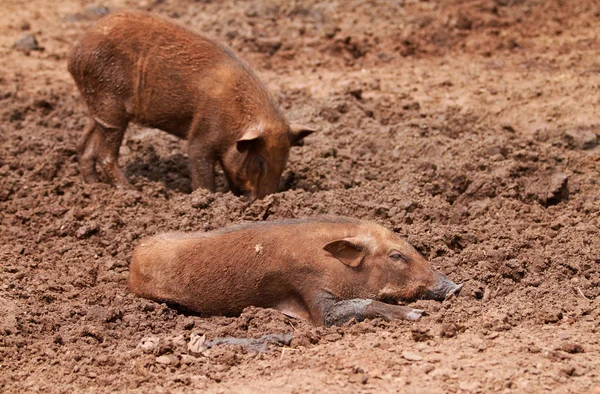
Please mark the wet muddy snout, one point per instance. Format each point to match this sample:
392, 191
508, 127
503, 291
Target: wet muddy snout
443, 289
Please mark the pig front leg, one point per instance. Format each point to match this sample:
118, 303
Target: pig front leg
202, 168
361, 309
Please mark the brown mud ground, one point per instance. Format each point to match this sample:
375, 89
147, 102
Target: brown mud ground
469, 126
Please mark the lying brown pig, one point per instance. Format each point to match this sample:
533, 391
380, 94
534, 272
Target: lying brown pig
327, 270
135, 67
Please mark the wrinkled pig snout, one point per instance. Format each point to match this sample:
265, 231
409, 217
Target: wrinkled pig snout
443, 289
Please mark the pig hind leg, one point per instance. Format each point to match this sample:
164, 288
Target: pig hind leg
87, 151
100, 146
108, 152
360, 309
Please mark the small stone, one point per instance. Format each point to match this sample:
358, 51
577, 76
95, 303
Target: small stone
443, 373
167, 359
572, 348
27, 43
98, 313
552, 316
188, 324
98, 10
428, 368
187, 359
196, 344
332, 337
571, 371
581, 139
361, 378
124, 150
51, 354
411, 356
450, 330
420, 334
148, 344
493, 335
508, 127
564, 336
179, 340
469, 386
86, 230
268, 45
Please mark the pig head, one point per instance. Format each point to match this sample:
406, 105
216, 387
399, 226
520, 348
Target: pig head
396, 271
253, 164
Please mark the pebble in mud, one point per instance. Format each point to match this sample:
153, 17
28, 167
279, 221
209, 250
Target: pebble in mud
27, 43
419, 334
572, 348
149, 344
167, 359
411, 356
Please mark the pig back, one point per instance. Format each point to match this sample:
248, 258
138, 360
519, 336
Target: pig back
151, 71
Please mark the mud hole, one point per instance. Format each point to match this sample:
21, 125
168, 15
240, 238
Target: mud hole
470, 127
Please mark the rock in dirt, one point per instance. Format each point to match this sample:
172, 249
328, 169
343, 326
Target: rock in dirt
361, 378
552, 316
469, 386
148, 344
550, 190
196, 344
450, 330
93, 12
572, 348
187, 359
420, 334
583, 139
8, 317
410, 356
167, 359
27, 43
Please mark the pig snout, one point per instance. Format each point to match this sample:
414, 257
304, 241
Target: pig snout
442, 289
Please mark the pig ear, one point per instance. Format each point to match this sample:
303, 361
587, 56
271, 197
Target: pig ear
298, 132
249, 140
350, 251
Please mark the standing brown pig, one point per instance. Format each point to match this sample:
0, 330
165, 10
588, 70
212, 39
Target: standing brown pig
327, 270
135, 67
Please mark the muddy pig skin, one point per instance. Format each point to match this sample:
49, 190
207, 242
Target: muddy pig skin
137, 67
327, 270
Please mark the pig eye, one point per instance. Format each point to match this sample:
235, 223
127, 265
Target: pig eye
396, 256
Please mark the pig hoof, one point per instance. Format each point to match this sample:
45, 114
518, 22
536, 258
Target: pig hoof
414, 314
454, 292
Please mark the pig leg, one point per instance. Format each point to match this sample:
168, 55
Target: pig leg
86, 152
108, 155
361, 309
202, 167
